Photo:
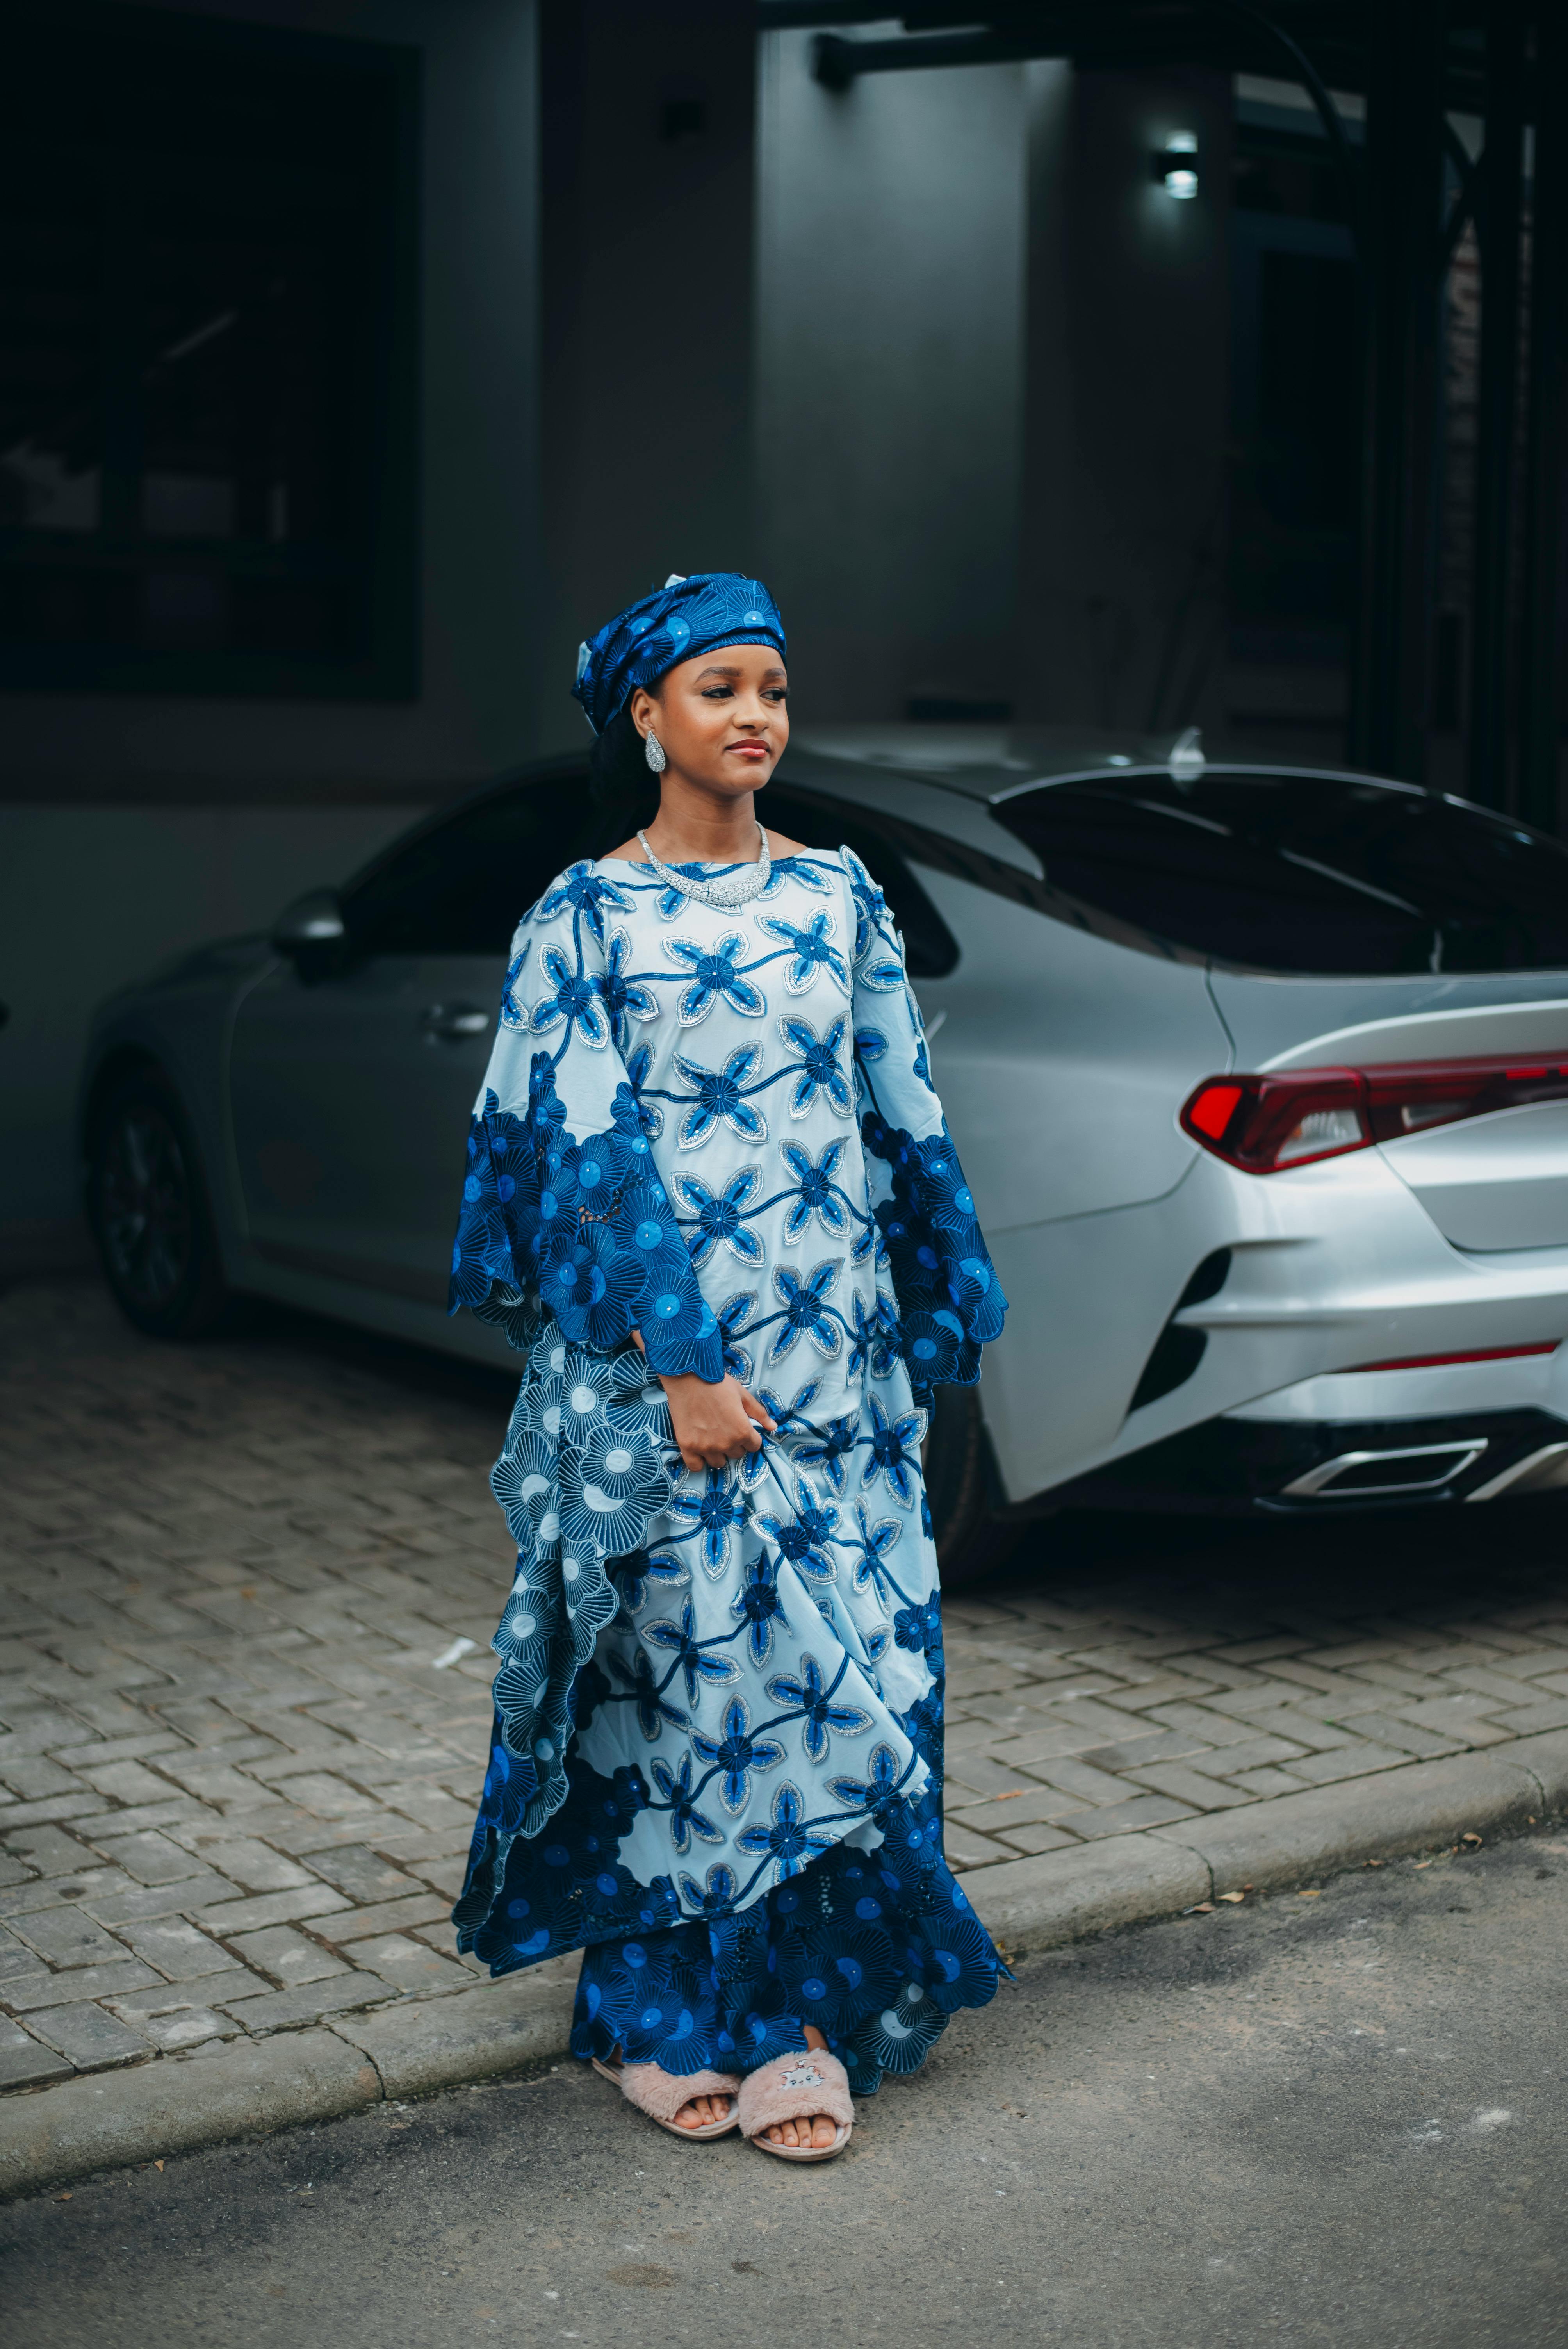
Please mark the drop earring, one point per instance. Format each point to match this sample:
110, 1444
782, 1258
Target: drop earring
654, 753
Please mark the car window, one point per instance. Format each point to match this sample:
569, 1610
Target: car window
931, 949
462, 887
1323, 874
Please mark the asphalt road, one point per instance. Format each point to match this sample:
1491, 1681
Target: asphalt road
1337, 2118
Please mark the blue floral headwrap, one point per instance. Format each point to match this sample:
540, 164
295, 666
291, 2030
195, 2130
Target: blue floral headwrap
683, 618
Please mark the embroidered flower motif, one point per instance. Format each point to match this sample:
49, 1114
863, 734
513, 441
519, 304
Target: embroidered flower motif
871, 905
894, 1453
589, 1285
714, 1514
649, 1227
820, 1063
874, 1340
722, 1216
587, 892
736, 1752
678, 1793
818, 1191
760, 1607
789, 1414
879, 1790
876, 1543
806, 1313
609, 1490
803, 1537
790, 1841
830, 1451
720, 1095
696, 1663
716, 1895
734, 1315
631, 1113
806, 1694
714, 974
654, 1708
625, 1000
795, 868
810, 952
575, 1000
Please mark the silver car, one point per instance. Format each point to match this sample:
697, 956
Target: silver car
1259, 1074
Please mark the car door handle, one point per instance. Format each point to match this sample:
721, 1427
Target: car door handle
452, 1023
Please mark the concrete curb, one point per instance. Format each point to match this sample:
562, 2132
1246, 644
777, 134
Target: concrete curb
250, 2087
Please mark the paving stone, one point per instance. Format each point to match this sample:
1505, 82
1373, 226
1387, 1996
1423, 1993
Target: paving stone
177, 1949
407, 1964
67, 1936
227, 1918
363, 1874
32, 1775
94, 2040
25, 2062
282, 2010
419, 1907
279, 1951
251, 1865
172, 2024
151, 1857
16, 1958
39, 1989
136, 1901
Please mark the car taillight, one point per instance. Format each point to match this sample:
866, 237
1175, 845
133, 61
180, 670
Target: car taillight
1266, 1124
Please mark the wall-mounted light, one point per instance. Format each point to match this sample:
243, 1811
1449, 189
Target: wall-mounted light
1175, 166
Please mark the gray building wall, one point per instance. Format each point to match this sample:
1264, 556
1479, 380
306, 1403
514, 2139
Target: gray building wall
888, 415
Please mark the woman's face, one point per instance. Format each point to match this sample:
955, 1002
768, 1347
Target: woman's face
722, 718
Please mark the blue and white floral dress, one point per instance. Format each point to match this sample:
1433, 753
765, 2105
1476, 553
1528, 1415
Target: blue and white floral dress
716, 1760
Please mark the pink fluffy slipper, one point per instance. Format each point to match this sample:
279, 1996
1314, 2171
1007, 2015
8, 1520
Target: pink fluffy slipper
661, 2094
792, 2090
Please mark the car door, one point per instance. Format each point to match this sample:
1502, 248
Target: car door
350, 1093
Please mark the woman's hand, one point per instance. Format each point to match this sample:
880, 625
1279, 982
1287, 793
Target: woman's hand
714, 1424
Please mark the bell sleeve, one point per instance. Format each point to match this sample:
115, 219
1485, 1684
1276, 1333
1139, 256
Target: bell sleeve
949, 1300
563, 1214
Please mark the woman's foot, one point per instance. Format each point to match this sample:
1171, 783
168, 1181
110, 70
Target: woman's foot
703, 2112
814, 2130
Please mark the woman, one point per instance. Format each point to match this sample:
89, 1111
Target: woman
717, 1751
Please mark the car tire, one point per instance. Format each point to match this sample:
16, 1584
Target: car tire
147, 1206
960, 1481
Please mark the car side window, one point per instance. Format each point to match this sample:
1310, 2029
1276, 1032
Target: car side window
462, 884
931, 950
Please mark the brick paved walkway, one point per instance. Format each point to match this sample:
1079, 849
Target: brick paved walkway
238, 1756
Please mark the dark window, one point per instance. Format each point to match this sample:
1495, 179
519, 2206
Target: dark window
207, 356
1314, 873
931, 949
462, 886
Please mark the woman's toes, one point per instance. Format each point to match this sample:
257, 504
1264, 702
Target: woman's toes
823, 2130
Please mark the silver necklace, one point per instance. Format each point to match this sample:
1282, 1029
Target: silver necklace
730, 889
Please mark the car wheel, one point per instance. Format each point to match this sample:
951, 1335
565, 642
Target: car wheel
971, 1540
147, 1206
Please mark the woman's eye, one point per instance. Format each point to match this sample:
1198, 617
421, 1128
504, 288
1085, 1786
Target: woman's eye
716, 692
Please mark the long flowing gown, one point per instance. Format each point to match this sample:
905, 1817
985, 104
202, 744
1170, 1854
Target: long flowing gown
716, 1760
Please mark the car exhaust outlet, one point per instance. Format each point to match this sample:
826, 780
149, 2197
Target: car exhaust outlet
1538, 1472
1415, 1468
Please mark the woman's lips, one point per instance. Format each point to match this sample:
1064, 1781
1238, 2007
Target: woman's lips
753, 750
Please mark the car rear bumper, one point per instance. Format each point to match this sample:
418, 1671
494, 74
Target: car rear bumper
1238, 1467
1327, 1269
